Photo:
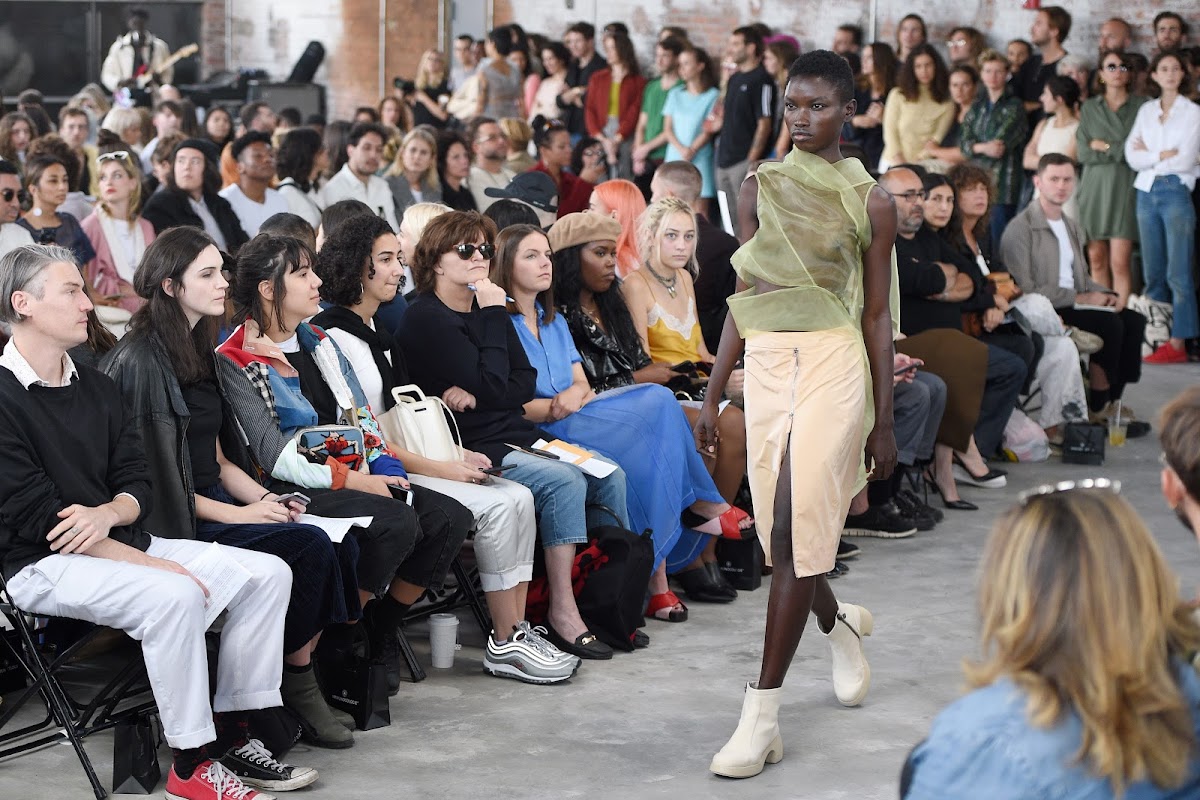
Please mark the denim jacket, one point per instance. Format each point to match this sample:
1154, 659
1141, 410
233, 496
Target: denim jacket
983, 746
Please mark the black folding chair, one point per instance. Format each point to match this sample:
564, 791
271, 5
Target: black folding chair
123, 700
467, 593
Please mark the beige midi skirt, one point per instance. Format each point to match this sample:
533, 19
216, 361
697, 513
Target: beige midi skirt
806, 396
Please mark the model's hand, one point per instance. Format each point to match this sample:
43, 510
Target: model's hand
705, 430
880, 453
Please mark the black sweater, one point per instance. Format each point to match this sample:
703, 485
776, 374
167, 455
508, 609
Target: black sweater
481, 353
920, 276
170, 208
64, 446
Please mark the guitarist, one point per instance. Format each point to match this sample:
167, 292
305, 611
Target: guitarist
135, 54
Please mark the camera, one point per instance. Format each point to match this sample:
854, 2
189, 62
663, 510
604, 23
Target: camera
404, 86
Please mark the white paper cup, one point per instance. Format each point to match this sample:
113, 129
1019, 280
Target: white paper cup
443, 639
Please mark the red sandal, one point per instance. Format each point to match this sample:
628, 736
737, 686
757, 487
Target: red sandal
728, 524
667, 602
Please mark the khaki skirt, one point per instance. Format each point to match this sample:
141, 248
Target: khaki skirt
806, 396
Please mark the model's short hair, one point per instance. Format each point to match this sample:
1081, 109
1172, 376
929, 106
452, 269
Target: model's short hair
361, 129
684, 178
245, 140
1054, 160
855, 31
287, 224
1060, 20
751, 35
585, 29
22, 270
829, 67
440, 237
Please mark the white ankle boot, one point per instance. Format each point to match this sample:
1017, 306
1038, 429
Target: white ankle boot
851, 672
756, 740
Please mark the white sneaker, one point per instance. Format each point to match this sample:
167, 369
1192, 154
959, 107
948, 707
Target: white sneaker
851, 672
527, 657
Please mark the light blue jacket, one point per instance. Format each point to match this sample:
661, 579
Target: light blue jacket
983, 747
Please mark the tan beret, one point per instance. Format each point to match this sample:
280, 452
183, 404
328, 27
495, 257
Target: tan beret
583, 227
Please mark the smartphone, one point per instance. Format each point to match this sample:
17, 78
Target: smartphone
532, 452
498, 470
910, 367
400, 493
293, 497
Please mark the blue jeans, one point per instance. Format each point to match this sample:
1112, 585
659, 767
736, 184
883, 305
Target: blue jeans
561, 494
1167, 227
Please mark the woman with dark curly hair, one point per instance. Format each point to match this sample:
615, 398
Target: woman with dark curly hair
918, 110
360, 266
299, 163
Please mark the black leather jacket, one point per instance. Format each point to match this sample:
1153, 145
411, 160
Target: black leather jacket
606, 363
169, 208
154, 401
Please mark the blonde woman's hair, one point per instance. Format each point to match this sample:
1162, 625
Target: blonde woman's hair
417, 216
429, 179
1079, 609
132, 166
119, 119
650, 228
426, 78
518, 133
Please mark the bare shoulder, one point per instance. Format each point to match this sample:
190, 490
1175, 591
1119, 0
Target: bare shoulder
880, 201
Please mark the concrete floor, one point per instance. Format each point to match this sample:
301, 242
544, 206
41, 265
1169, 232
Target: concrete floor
646, 724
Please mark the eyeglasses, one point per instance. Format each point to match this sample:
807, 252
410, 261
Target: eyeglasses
494, 137
956, 43
1104, 484
1116, 68
912, 195
116, 155
465, 251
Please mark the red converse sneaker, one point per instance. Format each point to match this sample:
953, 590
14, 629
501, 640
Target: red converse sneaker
210, 781
1167, 354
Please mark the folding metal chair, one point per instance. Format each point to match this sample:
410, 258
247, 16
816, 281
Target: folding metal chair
467, 593
123, 700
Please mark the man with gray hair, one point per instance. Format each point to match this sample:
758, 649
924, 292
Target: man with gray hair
73, 486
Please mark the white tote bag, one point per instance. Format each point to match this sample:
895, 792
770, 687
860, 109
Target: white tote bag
421, 425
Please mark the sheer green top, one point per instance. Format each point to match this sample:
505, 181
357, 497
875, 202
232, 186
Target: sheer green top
813, 231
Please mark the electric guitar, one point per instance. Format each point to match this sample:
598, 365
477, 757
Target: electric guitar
145, 76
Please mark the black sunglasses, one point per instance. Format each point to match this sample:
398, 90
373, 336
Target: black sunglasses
7, 195
1115, 67
465, 251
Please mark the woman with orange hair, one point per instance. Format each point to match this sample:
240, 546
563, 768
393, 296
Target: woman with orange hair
623, 201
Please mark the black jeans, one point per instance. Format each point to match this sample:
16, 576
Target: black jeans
1005, 377
1122, 332
414, 544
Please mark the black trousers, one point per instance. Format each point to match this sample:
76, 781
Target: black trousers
415, 544
1122, 332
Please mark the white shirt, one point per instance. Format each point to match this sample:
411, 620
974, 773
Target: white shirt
13, 236
306, 205
126, 267
210, 222
358, 353
1066, 254
1181, 132
482, 179
375, 193
253, 214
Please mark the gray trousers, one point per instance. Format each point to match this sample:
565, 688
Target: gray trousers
917, 408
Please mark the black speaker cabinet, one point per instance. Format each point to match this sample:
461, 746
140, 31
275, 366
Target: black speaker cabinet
309, 98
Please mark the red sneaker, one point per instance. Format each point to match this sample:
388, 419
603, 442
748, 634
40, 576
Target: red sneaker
210, 781
1167, 354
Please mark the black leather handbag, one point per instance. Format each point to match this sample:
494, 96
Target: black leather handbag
1083, 443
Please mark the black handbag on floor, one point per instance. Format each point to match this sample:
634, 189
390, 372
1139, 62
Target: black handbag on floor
359, 687
611, 578
1083, 443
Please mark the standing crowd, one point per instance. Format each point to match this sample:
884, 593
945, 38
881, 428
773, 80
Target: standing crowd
228, 308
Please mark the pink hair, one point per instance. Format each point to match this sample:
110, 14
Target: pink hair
626, 199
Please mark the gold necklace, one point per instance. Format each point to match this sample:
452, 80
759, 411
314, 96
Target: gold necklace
668, 285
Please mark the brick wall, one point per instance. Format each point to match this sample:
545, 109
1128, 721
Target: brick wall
271, 34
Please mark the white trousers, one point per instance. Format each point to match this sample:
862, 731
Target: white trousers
165, 612
505, 527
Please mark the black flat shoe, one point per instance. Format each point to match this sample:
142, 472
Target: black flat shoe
718, 577
699, 586
586, 645
960, 505
640, 639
